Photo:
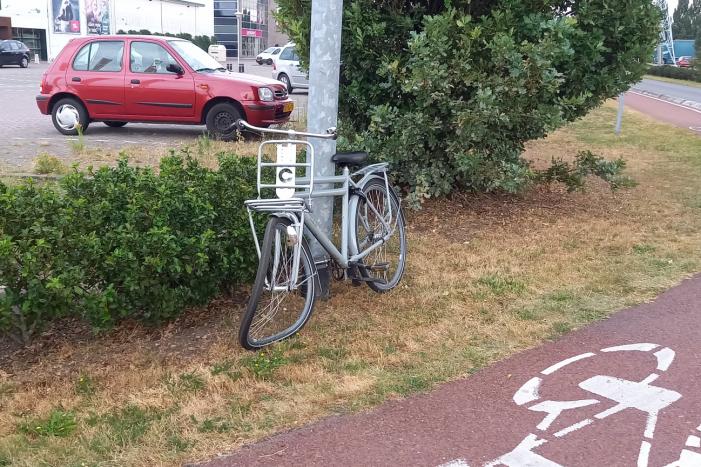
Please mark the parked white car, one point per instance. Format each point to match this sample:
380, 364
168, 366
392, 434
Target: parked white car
268, 55
286, 69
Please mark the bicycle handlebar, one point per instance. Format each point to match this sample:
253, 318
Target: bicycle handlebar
244, 125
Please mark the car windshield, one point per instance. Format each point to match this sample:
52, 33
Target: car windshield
269, 50
198, 59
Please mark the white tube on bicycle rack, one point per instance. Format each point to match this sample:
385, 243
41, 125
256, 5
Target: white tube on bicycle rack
285, 176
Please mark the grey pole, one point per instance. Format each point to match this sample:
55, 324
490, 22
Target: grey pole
619, 118
324, 70
239, 16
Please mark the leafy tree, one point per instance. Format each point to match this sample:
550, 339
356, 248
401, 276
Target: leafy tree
449, 91
682, 28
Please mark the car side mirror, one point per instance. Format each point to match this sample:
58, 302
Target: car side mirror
175, 68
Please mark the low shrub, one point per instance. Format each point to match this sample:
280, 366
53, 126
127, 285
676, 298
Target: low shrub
668, 71
123, 242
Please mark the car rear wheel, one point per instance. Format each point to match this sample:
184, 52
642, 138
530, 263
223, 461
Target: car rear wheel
112, 124
220, 121
270, 61
286, 81
24, 63
68, 115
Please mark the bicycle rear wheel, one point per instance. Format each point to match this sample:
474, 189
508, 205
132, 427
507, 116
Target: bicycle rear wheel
384, 266
275, 311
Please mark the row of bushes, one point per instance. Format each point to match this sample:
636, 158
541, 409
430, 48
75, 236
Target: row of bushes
123, 243
689, 74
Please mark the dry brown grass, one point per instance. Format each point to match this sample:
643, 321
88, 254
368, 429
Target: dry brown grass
487, 276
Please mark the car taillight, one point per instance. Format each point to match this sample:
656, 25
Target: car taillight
274, 67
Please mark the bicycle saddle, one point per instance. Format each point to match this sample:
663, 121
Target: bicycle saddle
349, 158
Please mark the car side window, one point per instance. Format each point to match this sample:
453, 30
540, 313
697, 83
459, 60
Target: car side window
13, 46
100, 56
288, 54
4, 47
148, 57
275, 52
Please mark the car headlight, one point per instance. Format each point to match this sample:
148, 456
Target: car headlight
265, 94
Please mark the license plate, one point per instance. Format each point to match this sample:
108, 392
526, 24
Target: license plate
288, 107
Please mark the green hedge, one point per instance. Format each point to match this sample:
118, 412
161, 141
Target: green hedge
668, 71
123, 243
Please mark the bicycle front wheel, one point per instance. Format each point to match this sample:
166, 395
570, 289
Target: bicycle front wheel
282, 298
377, 213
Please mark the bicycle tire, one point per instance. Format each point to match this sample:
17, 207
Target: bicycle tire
252, 332
376, 279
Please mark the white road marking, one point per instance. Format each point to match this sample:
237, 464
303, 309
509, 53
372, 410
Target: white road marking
666, 102
633, 395
687, 459
639, 347
650, 378
555, 408
693, 442
523, 455
557, 366
574, 427
528, 392
665, 357
456, 463
644, 454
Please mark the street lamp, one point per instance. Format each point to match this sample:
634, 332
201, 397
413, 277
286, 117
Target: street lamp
239, 15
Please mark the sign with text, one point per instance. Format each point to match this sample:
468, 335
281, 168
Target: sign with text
97, 16
245, 32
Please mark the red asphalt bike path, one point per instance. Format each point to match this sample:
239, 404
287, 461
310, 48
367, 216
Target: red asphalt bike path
621, 392
673, 114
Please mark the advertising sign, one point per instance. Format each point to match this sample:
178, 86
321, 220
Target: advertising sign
251, 32
97, 16
66, 15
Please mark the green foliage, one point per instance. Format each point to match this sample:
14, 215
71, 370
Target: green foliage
586, 164
667, 71
264, 363
123, 242
687, 20
449, 92
46, 164
59, 423
85, 386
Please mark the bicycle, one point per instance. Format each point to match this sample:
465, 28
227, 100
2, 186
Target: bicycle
372, 229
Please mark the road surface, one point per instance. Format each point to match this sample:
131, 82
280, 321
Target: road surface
622, 392
678, 91
673, 114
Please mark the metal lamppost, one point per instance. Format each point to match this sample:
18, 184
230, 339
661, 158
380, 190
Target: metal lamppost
239, 16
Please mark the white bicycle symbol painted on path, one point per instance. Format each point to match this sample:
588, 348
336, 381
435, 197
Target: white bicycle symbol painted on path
639, 395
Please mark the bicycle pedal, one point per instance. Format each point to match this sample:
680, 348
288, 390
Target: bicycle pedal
380, 267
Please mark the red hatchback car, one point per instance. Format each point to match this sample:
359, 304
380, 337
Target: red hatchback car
121, 79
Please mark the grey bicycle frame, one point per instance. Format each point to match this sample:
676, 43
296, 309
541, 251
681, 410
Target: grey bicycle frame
296, 207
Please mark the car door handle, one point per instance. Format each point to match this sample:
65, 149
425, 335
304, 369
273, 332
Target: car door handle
76, 79
136, 81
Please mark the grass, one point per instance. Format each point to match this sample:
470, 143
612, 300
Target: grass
684, 82
496, 276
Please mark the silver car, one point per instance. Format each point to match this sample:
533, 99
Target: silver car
286, 69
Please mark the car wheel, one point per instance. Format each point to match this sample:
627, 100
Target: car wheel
24, 63
270, 61
220, 120
112, 124
68, 115
286, 81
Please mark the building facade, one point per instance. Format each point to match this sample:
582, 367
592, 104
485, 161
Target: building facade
258, 28
46, 26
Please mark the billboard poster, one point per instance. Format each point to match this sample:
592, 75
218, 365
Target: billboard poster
97, 16
66, 14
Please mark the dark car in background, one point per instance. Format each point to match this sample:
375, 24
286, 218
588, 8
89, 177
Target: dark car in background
14, 53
